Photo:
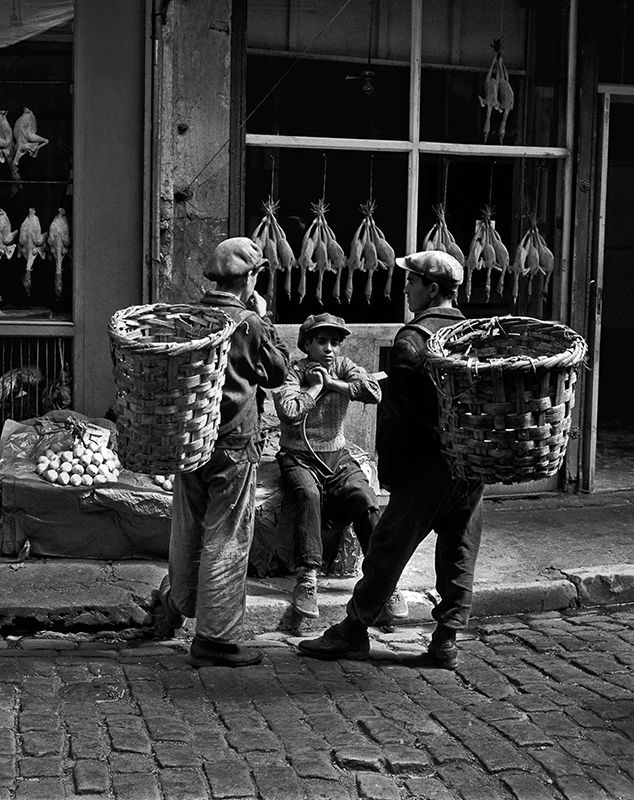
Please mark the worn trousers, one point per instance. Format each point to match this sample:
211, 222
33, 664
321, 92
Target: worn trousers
314, 498
427, 498
212, 530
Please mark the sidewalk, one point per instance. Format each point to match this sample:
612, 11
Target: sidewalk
537, 554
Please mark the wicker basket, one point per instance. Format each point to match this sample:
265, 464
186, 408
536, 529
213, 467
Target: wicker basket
169, 369
505, 391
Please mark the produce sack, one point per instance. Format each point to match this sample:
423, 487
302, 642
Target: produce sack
126, 519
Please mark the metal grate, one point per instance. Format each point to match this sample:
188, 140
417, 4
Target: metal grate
34, 376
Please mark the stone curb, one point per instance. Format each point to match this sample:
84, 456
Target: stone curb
99, 605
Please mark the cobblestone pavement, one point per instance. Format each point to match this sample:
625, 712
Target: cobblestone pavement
542, 706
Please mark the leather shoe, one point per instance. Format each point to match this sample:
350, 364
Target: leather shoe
208, 653
166, 619
347, 639
443, 654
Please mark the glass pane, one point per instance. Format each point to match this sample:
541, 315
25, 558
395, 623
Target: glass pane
36, 180
311, 72
327, 98
470, 95
515, 191
296, 179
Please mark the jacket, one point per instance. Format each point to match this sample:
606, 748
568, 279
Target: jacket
257, 360
325, 416
408, 414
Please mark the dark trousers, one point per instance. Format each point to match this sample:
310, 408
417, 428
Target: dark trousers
426, 499
315, 499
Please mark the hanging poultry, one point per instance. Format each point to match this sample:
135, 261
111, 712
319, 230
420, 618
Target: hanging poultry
31, 241
440, 238
369, 251
7, 150
490, 99
6, 236
275, 247
320, 251
506, 98
486, 251
58, 245
538, 258
498, 93
27, 140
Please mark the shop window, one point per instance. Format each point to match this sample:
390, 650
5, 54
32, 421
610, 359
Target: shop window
36, 169
36, 207
334, 112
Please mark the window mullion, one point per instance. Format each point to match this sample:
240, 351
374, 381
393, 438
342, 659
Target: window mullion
414, 123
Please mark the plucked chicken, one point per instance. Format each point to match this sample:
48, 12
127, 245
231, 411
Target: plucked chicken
7, 149
58, 244
27, 140
32, 242
6, 236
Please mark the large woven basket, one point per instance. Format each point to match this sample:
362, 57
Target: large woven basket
169, 369
506, 387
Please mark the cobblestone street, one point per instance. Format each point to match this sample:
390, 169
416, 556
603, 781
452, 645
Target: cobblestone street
542, 706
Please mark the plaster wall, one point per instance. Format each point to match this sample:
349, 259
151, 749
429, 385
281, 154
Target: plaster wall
108, 180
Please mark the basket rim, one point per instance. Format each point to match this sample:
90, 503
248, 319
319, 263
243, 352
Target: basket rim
570, 356
169, 348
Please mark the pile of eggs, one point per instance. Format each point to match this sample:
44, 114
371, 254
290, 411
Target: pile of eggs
85, 465
166, 482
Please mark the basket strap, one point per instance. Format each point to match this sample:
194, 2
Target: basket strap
237, 419
416, 326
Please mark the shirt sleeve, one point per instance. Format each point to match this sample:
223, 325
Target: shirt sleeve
362, 387
291, 402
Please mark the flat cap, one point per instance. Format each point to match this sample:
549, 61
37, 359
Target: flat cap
316, 321
435, 265
234, 257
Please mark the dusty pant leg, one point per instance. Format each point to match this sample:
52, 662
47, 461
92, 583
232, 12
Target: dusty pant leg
188, 510
302, 500
228, 532
405, 522
457, 546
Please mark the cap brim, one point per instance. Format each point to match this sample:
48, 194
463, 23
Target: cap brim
332, 327
402, 263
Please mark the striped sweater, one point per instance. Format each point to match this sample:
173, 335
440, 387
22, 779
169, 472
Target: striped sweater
325, 416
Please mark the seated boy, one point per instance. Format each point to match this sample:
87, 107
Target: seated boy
317, 471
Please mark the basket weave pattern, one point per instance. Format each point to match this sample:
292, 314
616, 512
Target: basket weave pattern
506, 388
169, 368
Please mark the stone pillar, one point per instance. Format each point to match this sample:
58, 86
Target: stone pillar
193, 108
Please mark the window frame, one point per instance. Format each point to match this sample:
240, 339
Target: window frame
415, 147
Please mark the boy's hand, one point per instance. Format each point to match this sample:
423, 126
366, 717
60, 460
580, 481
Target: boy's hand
315, 375
257, 303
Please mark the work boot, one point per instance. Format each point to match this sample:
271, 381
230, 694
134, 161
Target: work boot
442, 650
304, 599
347, 639
166, 619
214, 653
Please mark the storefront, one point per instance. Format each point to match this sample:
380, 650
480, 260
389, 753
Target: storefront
76, 158
184, 118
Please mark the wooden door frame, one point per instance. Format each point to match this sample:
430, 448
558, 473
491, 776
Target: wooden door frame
607, 94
